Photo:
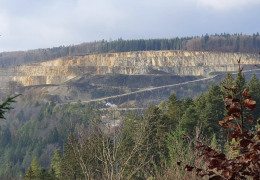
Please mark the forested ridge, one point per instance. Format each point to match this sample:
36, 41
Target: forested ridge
46, 141
223, 42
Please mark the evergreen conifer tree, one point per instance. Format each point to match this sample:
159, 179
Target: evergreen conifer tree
55, 162
52, 175
228, 82
240, 81
35, 166
254, 91
30, 174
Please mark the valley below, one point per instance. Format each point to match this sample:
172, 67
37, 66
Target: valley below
128, 79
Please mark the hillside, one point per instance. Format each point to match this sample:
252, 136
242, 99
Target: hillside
91, 77
65, 95
181, 63
223, 42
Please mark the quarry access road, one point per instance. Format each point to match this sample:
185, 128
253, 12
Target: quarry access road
121, 109
139, 91
150, 89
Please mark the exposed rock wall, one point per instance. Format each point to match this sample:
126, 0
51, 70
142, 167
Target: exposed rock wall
175, 62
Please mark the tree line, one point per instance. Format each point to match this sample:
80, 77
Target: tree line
223, 42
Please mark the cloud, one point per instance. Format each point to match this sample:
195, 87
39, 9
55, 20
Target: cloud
34, 24
226, 5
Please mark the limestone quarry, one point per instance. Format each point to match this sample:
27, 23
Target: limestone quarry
181, 63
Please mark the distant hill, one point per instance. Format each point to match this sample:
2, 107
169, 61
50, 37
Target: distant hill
223, 42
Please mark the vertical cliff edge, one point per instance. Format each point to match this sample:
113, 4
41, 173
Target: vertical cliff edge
60, 70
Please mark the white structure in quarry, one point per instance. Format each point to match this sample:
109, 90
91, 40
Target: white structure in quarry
111, 105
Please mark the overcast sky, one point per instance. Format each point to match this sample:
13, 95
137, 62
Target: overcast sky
33, 24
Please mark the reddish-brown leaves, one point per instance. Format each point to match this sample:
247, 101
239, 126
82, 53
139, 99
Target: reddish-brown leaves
247, 163
250, 119
233, 109
234, 89
198, 170
188, 168
228, 119
245, 142
249, 104
238, 60
227, 174
235, 115
235, 135
256, 146
245, 94
246, 135
228, 99
216, 178
221, 123
257, 66
235, 100
232, 127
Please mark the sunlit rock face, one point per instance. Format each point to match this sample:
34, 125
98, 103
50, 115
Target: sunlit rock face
63, 69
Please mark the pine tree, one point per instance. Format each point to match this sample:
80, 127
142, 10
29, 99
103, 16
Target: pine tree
52, 175
214, 110
200, 103
35, 166
70, 168
43, 174
254, 91
173, 111
189, 120
30, 174
56, 162
162, 105
54, 136
228, 82
240, 81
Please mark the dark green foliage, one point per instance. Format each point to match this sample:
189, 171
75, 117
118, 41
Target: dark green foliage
54, 136
70, 168
43, 174
56, 164
213, 111
254, 91
5, 106
189, 120
240, 82
206, 110
37, 172
23, 136
173, 110
223, 42
30, 174
228, 82
52, 175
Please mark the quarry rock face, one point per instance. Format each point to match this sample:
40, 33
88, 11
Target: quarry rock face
63, 69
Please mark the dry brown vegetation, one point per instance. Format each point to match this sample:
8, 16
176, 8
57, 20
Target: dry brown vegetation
245, 162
